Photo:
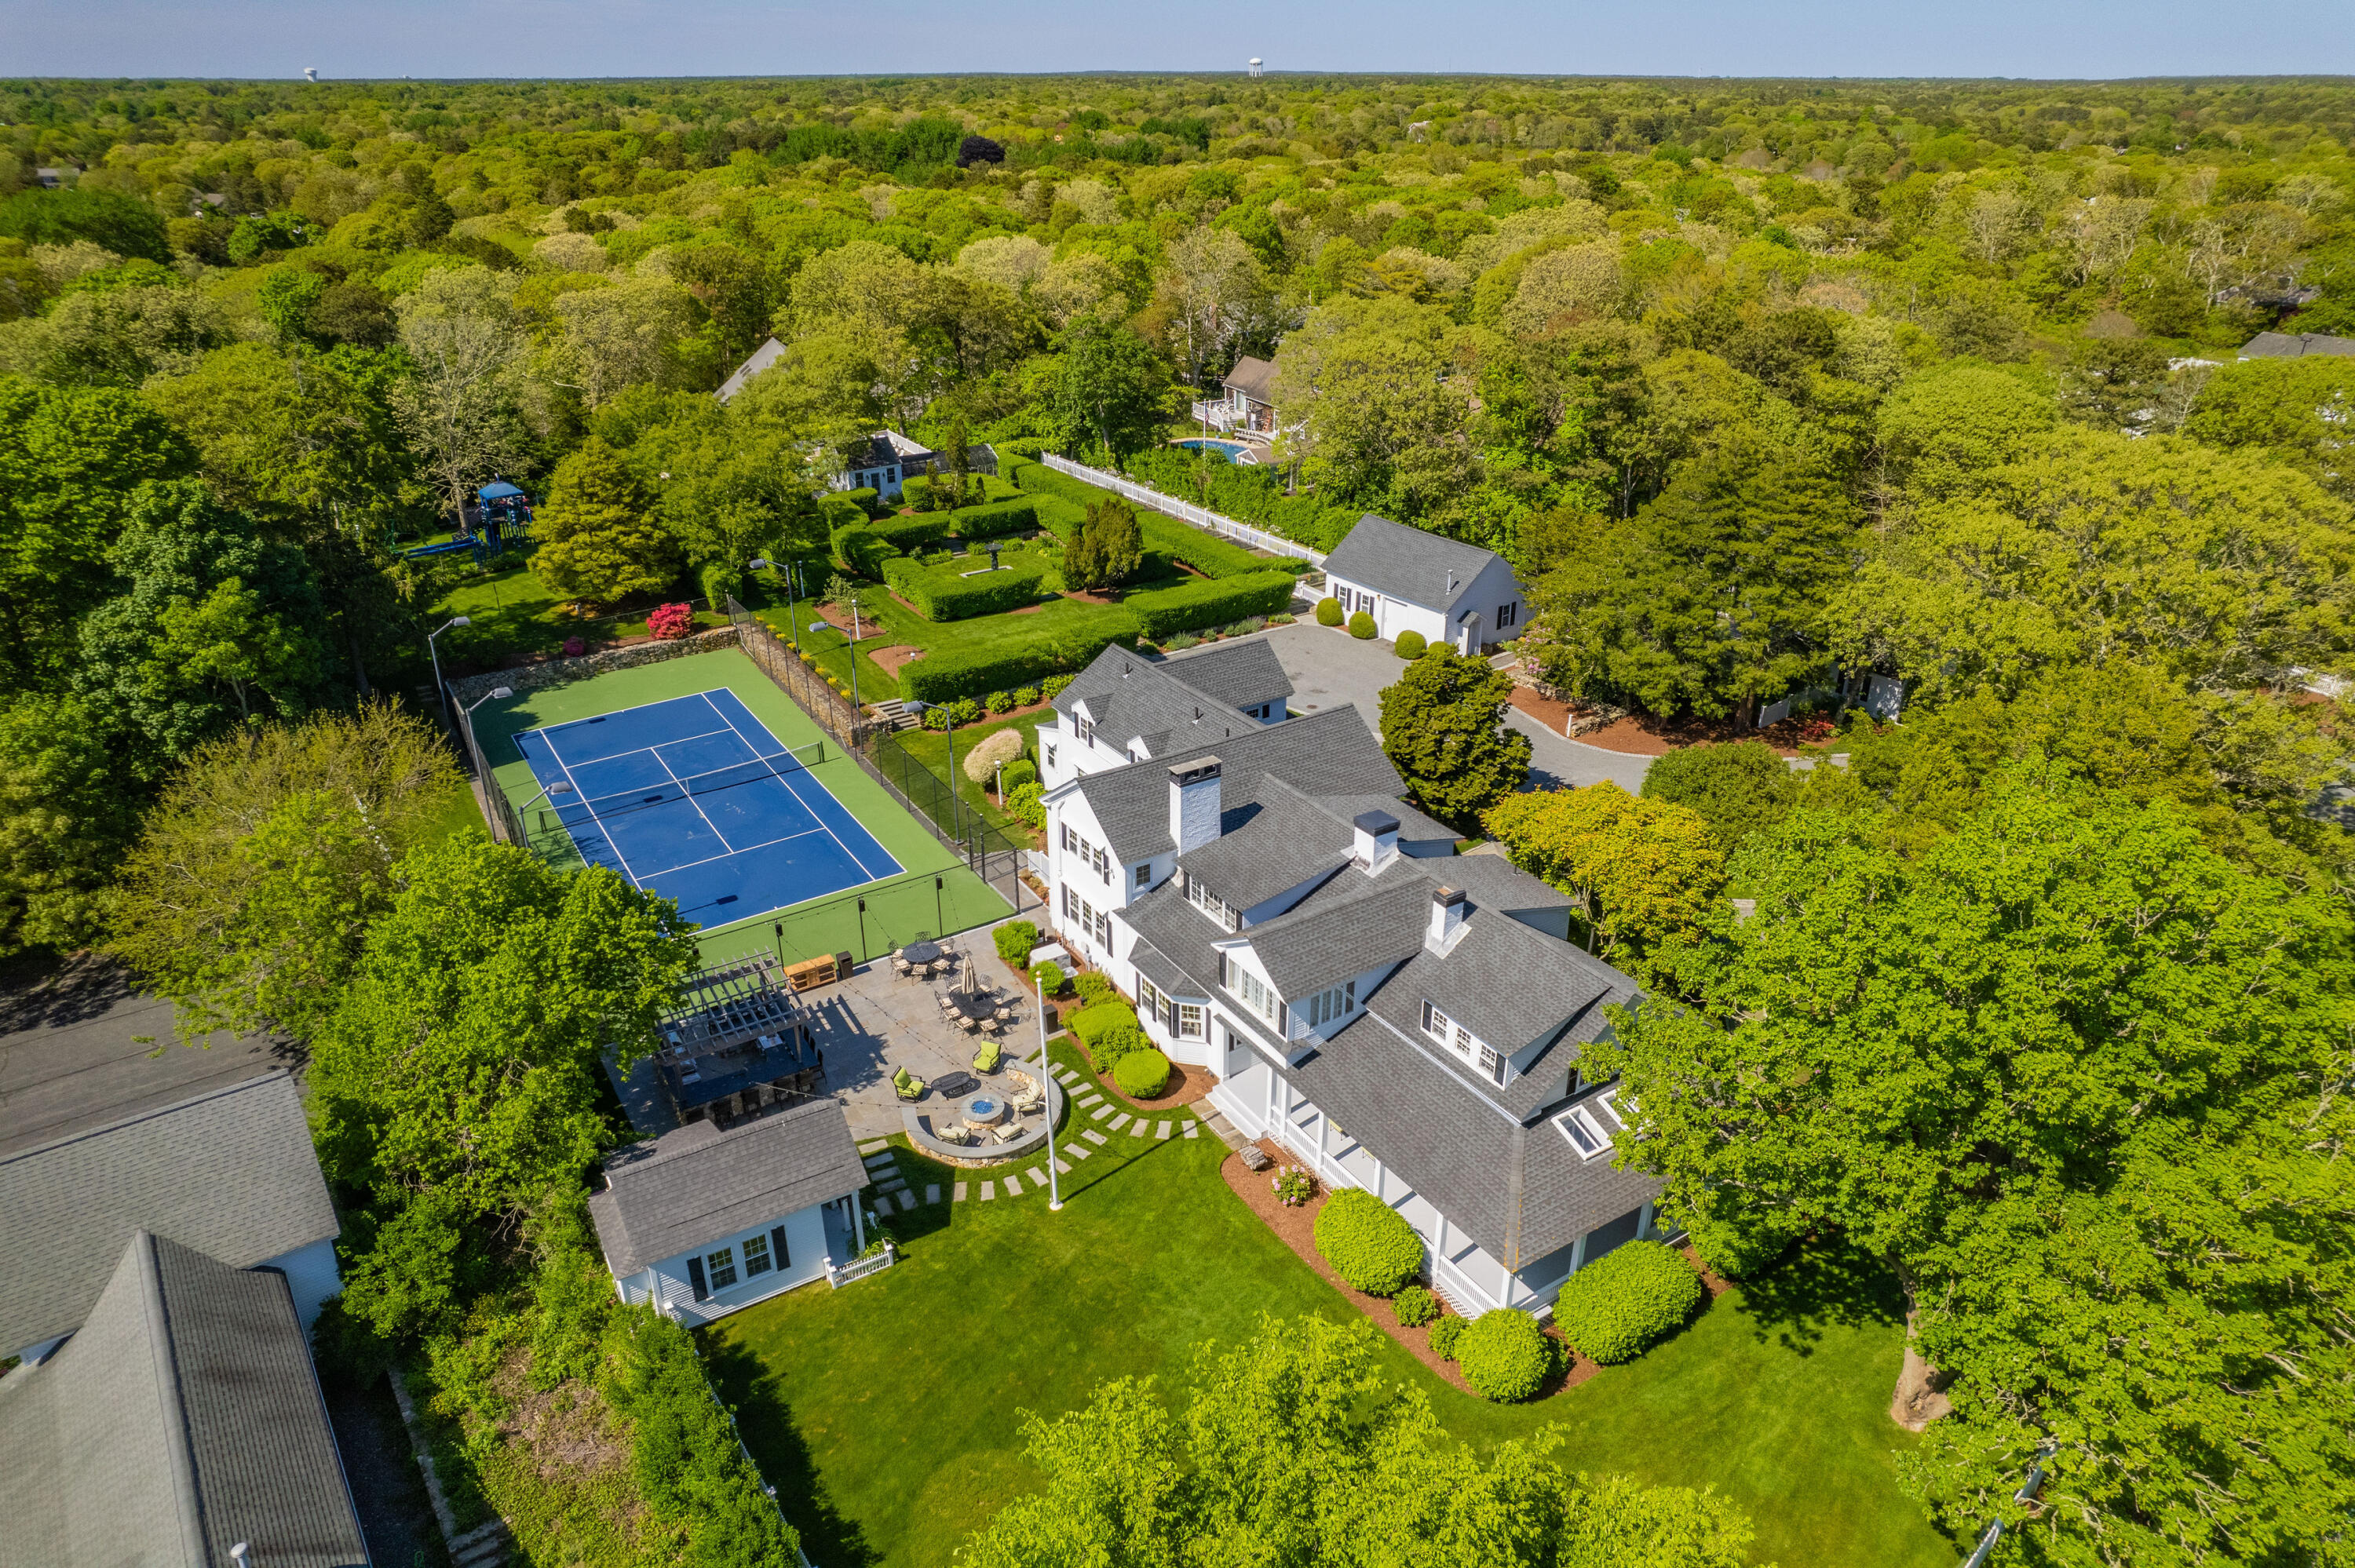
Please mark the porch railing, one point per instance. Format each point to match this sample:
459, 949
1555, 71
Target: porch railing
859, 1268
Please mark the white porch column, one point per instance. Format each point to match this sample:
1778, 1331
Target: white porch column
1578, 1254
859, 1222
1644, 1222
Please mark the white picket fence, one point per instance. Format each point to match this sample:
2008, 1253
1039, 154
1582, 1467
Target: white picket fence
1201, 517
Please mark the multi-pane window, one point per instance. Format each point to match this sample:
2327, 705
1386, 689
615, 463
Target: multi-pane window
1050, 760
1211, 904
720, 1268
1070, 840
1150, 1001
1458, 1039
1145, 873
1084, 729
1189, 1021
1103, 929
756, 1256
1337, 1001
1102, 864
1505, 612
1254, 992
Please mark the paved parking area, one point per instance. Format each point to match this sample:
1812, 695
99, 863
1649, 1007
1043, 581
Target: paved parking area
1329, 667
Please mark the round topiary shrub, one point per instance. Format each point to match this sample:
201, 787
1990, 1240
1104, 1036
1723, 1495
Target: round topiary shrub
1018, 772
1111, 1048
1093, 987
1411, 645
1361, 627
1625, 1299
1414, 1306
1444, 1333
1504, 1356
1328, 612
1367, 1243
1049, 977
1141, 1074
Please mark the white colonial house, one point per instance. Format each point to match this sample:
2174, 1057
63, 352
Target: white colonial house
1126, 707
884, 462
1411, 581
1401, 1018
702, 1221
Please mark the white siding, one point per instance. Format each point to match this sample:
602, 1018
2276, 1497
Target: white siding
667, 1285
310, 1277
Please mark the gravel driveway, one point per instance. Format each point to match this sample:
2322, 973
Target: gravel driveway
1329, 667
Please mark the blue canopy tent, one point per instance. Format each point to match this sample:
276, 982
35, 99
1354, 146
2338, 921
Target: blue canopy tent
502, 518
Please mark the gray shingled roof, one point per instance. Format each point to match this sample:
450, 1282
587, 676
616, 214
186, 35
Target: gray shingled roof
182, 1419
2295, 345
767, 355
1129, 695
697, 1183
1284, 840
229, 1173
1413, 826
1352, 924
1255, 379
1330, 752
1235, 672
1410, 563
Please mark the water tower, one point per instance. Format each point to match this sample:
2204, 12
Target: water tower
1255, 69
309, 73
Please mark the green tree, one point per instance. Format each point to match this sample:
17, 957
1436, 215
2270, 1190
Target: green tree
1737, 788
1946, 426
2081, 1081
1109, 389
1381, 421
597, 540
456, 1082
255, 877
2294, 411
1643, 872
66, 811
1444, 730
1107, 549
1292, 1449
1710, 600
216, 622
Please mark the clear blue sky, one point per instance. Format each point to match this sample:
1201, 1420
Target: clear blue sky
741, 38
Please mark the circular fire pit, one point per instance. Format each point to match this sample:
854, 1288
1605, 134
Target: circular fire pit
983, 1110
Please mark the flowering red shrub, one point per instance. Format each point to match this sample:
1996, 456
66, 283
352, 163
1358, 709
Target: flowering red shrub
574, 647
671, 621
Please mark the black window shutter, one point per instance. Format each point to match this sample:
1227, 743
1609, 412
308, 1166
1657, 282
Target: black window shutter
777, 1245
1222, 969
695, 1278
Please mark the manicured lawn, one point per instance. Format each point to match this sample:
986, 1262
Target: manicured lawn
930, 747
886, 1414
512, 611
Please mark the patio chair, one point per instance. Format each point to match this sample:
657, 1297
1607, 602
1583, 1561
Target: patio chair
902, 966
1007, 1133
907, 1086
986, 1060
967, 1025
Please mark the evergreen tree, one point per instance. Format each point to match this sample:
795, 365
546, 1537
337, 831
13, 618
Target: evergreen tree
597, 538
1444, 730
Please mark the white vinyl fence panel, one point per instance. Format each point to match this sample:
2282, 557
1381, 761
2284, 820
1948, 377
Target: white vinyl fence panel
1201, 517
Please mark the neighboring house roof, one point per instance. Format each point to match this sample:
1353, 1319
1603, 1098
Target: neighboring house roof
1245, 670
229, 1173
1255, 379
182, 1419
767, 355
1403, 563
2295, 345
697, 1184
1320, 753
887, 447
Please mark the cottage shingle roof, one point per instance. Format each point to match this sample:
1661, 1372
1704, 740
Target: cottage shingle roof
1403, 563
1236, 672
229, 1173
697, 1184
767, 355
1285, 839
2295, 345
1353, 924
1255, 379
182, 1418
1131, 698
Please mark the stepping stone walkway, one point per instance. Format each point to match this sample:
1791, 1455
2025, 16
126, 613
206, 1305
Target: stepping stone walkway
931, 1194
893, 1183
1120, 1121
988, 1191
960, 1191
1091, 1100
1193, 1130
883, 1145
1064, 1167
1037, 1177
1138, 1130
1101, 1112
1077, 1152
874, 1161
1067, 1075
1093, 1136
1162, 1131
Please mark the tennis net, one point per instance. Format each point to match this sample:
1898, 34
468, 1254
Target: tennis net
776, 765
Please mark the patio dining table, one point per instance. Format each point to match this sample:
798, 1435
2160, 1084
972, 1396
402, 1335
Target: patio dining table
920, 952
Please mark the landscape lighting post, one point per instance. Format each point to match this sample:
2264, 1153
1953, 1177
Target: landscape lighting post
495, 694
1047, 1067
441, 694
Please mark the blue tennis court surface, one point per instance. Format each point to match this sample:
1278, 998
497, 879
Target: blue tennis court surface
695, 800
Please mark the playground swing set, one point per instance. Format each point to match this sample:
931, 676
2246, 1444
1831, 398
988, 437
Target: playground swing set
499, 521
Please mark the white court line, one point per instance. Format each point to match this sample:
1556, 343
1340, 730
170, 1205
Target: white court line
748, 848
614, 756
689, 796
820, 818
610, 842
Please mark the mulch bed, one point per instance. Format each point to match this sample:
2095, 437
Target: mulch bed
889, 660
1641, 736
1186, 1086
1296, 1228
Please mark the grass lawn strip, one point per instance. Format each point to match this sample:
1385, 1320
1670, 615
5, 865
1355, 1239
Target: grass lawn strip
888, 1424
896, 909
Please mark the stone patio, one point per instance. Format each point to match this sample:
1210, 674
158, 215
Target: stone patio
874, 1023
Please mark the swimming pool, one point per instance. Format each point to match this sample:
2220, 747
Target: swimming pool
1234, 451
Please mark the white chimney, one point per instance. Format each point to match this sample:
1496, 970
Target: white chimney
1446, 918
1193, 802
1377, 839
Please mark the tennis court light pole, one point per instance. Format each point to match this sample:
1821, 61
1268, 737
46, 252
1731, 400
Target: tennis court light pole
441, 694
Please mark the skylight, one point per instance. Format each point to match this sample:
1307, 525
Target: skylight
1585, 1130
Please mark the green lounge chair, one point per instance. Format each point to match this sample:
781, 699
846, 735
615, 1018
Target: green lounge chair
907, 1086
986, 1060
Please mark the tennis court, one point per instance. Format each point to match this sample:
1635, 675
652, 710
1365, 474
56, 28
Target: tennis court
694, 799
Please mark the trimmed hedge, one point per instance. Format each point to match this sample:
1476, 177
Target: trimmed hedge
861, 549
1092, 1023
1014, 941
1624, 1301
995, 521
688, 1465
1367, 1243
1361, 627
1504, 1355
1444, 1334
942, 593
1328, 612
1411, 644
1415, 1306
1165, 612
1205, 552
1022, 658
1141, 1074
1018, 772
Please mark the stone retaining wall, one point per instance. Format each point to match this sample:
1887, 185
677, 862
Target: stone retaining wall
563, 671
